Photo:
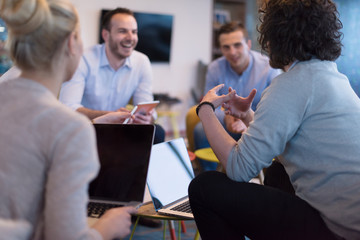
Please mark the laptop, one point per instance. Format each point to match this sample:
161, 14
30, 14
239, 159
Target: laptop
169, 175
124, 153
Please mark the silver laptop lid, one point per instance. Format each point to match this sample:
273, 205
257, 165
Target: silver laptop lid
124, 153
170, 172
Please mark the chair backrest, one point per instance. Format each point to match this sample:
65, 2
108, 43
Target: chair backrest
191, 120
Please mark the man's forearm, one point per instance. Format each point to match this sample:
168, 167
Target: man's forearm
90, 113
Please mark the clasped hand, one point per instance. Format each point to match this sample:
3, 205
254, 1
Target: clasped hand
233, 104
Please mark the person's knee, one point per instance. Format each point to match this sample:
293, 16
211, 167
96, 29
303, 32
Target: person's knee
159, 134
208, 166
196, 185
200, 139
198, 130
198, 127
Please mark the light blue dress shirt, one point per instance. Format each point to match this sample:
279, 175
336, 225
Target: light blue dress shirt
96, 85
257, 75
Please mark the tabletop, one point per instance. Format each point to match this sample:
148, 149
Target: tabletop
148, 210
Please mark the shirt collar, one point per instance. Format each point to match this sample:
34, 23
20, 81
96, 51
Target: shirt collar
293, 64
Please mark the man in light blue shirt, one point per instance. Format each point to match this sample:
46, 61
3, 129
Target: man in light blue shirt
239, 68
112, 74
97, 88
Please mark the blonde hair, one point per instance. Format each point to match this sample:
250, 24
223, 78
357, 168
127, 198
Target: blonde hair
37, 30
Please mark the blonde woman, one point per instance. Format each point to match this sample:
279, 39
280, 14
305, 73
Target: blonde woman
48, 152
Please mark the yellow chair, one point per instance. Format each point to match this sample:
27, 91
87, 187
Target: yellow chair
191, 120
207, 154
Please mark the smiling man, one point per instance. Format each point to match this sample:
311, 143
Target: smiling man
239, 68
113, 73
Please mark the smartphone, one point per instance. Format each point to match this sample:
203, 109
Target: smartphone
146, 107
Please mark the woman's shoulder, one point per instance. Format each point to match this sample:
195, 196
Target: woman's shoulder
50, 113
64, 116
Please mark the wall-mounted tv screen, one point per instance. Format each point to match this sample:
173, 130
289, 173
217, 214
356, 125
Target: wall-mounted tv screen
154, 32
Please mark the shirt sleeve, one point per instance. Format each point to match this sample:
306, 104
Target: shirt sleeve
143, 91
276, 120
74, 164
72, 91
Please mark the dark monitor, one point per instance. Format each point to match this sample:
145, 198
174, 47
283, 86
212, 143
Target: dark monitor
124, 153
154, 31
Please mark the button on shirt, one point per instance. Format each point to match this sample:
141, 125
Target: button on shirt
96, 85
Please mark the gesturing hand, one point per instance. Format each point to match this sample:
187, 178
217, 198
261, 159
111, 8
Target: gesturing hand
238, 106
213, 97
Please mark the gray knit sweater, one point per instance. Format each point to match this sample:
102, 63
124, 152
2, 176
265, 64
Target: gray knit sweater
311, 116
48, 157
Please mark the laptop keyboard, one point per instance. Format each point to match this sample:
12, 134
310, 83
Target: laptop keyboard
96, 210
184, 207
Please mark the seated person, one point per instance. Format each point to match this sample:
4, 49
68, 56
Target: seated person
111, 74
309, 116
44, 177
241, 68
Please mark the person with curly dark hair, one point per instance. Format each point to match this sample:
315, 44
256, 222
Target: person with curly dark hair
305, 33
309, 117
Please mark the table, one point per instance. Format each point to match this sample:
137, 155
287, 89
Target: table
148, 210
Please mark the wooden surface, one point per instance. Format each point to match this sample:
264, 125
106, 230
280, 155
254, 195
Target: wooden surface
148, 210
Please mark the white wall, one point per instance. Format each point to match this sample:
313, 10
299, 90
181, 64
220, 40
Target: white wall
191, 41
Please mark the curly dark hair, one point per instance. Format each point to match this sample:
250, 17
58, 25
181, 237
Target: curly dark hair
299, 30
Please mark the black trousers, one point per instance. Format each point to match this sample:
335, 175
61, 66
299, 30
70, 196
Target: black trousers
159, 134
225, 209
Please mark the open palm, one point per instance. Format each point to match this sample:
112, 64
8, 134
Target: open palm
238, 106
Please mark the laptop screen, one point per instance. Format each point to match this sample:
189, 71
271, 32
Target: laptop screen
124, 153
170, 172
